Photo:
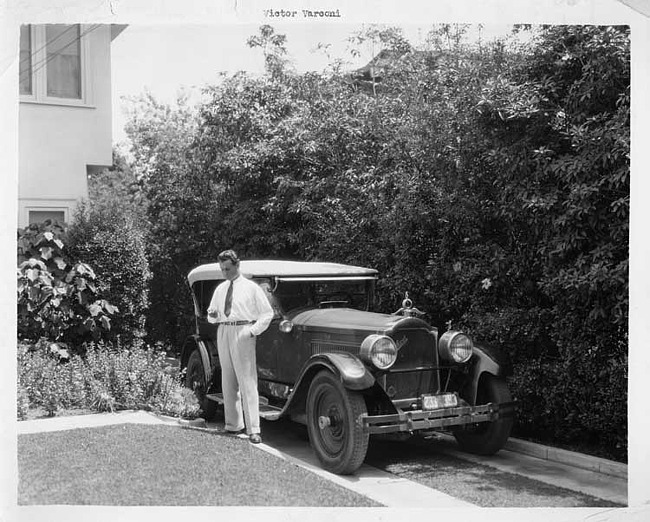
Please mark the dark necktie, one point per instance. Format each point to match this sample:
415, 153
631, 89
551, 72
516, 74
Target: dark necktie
228, 306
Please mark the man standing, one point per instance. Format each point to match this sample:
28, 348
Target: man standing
242, 311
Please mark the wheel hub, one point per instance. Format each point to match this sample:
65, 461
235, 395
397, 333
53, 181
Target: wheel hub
324, 421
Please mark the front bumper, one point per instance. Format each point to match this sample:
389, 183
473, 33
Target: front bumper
441, 418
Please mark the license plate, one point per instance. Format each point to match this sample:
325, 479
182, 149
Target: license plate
435, 402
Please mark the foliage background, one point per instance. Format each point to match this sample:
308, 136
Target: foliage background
489, 179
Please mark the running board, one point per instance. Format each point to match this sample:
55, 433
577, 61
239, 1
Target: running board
267, 411
216, 397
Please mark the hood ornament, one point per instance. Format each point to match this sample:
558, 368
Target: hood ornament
407, 309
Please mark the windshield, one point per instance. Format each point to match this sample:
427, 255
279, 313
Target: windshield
324, 294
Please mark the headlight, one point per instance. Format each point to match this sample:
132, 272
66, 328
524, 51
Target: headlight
455, 347
379, 350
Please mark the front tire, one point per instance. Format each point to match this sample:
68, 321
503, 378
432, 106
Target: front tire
334, 424
486, 438
195, 380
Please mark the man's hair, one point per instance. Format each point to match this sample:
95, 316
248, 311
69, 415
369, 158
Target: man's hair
228, 255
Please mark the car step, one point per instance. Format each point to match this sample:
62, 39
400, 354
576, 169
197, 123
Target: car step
267, 411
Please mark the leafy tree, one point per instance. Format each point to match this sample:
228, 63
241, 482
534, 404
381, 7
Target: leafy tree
118, 187
380, 38
561, 141
105, 235
274, 49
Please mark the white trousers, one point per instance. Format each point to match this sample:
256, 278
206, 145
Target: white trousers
239, 378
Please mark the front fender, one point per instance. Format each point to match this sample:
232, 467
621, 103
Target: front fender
353, 374
485, 360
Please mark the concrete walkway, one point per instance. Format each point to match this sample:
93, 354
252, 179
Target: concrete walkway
570, 470
93, 421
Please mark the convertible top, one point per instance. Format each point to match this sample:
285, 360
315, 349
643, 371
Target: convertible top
284, 270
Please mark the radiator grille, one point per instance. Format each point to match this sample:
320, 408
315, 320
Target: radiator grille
410, 385
417, 349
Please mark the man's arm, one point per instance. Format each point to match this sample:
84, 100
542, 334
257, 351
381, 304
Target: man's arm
264, 311
213, 311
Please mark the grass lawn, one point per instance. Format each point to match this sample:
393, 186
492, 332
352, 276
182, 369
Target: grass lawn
133, 464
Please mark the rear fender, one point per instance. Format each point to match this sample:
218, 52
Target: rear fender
192, 343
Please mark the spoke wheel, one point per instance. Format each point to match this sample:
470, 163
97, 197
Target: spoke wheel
334, 424
195, 380
486, 438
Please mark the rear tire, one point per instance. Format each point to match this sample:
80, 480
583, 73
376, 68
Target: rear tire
334, 424
486, 438
195, 380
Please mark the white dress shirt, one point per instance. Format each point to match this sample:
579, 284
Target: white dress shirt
249, 303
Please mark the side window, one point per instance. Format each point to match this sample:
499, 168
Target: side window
266, 285
294, 295
206, 295
202, 292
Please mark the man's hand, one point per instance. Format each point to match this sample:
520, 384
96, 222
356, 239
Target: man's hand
212, 313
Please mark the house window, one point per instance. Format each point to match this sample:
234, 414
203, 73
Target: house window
38, 216
25, 60
53, 66
63, 61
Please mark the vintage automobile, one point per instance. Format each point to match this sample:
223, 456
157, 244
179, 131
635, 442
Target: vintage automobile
345, 372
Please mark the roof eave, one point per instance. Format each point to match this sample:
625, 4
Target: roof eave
116, 30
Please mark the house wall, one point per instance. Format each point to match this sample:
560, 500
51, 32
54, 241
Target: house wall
58, 143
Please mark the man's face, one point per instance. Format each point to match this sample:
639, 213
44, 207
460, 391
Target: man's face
229, 270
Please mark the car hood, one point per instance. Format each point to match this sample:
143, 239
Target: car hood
350, 319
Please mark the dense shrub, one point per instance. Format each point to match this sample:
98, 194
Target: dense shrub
108, 239
109, 377
56, 298
580, 403
558, 133
491, 182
